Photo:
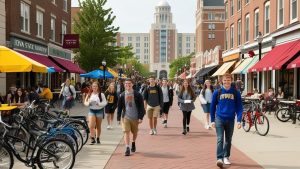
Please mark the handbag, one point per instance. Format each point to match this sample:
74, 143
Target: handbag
202, 99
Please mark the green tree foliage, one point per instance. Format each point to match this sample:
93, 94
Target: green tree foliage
178, 64
97, 35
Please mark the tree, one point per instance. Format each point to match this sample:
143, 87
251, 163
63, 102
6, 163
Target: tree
178, 64
97, 35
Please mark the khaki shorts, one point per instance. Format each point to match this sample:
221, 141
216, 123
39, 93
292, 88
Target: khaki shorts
130, 125
153, 111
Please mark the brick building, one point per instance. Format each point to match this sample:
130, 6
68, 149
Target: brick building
36, 29
277, 21
2, 42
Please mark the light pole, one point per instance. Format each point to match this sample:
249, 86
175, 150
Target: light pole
104, 68
259, 40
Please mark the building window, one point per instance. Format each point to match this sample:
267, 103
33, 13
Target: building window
267, 18
226, 38
138, 57
247, 27
293, 10
211, 16
247, 1
146, 51
239, 32
129, 44
231, 36
137, 39
145, 39
129, 38
211, 26
25, 17
256, 23
239, 5
211, 35
137, 45
188, 45
122, 38
280, 13
188, 51
63, 30
65, 5
137, 51
146, 45
226, 11
39, 23
188, 39
122, 44
222, 16
52, 29
231, 7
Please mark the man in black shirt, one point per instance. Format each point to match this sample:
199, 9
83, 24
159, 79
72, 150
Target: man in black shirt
153, 100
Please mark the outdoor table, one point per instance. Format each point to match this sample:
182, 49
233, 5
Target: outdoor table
288, 102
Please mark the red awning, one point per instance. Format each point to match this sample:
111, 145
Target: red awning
43, 60
277, 57
294, 64
68, 65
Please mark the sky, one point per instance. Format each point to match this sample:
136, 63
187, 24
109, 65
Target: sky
136, 16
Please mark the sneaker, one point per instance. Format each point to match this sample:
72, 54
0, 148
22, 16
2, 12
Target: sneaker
93, 141
127, 152
184, 132
151, 132
220, 163
108, 127
226, 161
207, 127
162, 121
188, 129
98, 140
111, 127
133, 148
154, 131
165, 125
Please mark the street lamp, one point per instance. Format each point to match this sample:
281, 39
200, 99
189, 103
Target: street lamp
104, 68
259, 40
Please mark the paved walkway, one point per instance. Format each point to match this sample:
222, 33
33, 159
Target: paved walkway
170, 149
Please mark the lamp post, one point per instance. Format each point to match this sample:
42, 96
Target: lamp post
259, 40
104, 68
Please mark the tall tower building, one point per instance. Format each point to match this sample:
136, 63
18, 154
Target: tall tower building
163, 39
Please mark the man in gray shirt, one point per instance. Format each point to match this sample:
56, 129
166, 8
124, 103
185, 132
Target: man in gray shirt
131, 109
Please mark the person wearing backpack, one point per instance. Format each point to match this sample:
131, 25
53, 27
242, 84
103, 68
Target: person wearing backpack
153, 101
226, 104
69, 94
205, 99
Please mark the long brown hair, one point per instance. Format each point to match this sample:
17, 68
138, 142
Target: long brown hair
99, 91
108, 88
205, 87
189, 89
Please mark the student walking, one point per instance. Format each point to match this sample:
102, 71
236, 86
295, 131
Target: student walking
186, 100
167, 100
205, 99
226, 103
96, 102
153, 100
132, 111
112, 102
69, 94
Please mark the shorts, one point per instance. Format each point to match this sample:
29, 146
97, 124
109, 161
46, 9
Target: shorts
153, 111
110, 109
166, 107
130, 125
98, 113
206, 107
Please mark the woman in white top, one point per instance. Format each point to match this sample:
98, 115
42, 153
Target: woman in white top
96, 102
69, 94
206, 93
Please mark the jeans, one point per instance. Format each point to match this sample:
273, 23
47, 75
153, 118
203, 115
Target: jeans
186, 118
227, 127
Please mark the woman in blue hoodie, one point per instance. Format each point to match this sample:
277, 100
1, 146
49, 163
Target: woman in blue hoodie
226, 104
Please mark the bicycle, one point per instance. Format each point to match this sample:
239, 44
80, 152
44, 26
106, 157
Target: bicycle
289, 112
253, 116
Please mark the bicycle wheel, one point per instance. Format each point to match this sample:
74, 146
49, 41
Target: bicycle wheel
262, 124
82, 129
246, 122
56, 153
283, 114
6, 158
79, 139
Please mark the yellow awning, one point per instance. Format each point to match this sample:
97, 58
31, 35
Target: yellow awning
239, 69
224, 68
12, 61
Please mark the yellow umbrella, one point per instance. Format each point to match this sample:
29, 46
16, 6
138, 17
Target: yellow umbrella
114, 73
12, 61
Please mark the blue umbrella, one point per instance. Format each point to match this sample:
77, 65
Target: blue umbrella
97, 74
50, 69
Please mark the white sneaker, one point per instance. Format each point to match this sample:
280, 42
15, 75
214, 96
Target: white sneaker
108, 127
226, 161
220, 163
154, 131
111, 127
151, 132
206, 127
165, 125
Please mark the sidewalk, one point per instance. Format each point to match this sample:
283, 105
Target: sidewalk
170, 149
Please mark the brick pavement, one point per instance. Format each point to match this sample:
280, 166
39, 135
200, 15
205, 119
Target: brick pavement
171, 150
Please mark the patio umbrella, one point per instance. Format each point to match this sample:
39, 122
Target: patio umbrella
114, 73
97, 74
12, 61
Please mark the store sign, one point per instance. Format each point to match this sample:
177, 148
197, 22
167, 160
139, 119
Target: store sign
71, 41
28, 46
59, 53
